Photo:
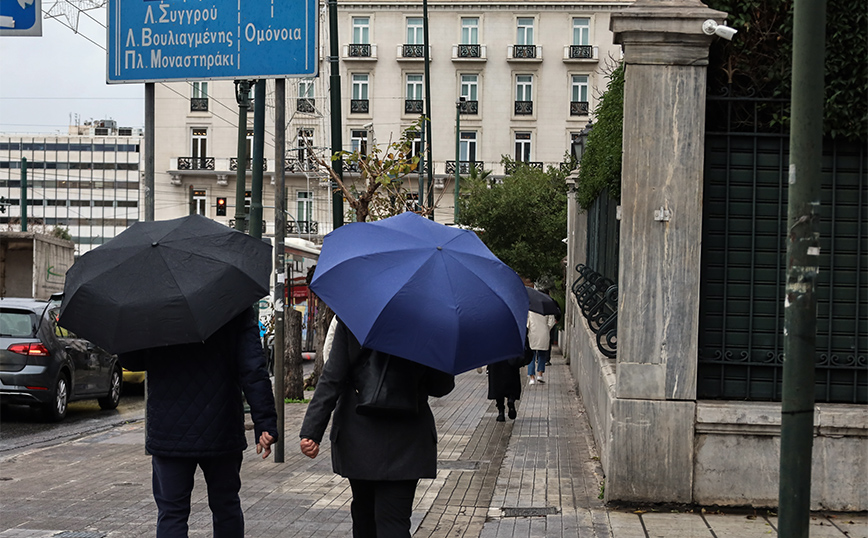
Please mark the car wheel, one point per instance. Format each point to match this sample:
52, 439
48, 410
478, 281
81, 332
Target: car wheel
114, 396
55, 410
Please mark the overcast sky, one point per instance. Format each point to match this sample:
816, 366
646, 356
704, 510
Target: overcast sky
45, 81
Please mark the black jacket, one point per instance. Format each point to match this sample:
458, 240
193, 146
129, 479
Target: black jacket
367, 447
196, 392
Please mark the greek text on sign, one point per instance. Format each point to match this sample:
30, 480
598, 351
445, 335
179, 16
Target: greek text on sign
170, 40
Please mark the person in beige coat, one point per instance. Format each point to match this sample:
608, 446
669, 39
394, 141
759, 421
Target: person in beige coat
538, 335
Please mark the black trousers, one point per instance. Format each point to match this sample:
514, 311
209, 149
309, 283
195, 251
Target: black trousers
382, 508
173, 485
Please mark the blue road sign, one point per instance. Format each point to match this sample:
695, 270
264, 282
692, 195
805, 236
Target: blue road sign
21, 17
170, 40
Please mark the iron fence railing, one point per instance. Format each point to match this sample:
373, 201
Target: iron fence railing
464, 167
233, 164
597, 297
195, 163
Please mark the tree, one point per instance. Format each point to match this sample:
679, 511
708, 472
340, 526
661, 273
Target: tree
522, 219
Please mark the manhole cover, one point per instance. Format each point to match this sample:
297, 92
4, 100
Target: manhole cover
79, 534
452, 465
529, 512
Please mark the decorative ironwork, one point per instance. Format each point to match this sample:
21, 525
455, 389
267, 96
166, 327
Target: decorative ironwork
511, 167
578, 108
469, 107
306, 105
469, 51
359, 50
413, 106
597, 297
358, 106
464, 167
351, 167
294, 165
302, 227
413, 51
582, 52
523, 108
233, 164
195, 163
524, 51
198, 104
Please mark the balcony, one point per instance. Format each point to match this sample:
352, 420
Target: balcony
580, 53
413, 52
469, 53
413, 106
298, 166
524, 53
305, 105
512, 166
302, 227
195, 163
464, 167
523, 108
359, 106
360, 52
469, 108
579, 108
233, 164
198, 104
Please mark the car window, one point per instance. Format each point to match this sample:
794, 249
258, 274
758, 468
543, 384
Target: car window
58, 330
17, 324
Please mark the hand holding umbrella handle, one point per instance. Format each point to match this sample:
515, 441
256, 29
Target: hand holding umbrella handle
309, 448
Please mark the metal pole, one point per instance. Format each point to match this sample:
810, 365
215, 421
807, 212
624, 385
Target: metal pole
803, 251
23, 194
242, 89
457, 153
335, 95
427, 149
150, 99
279, 259
255, 223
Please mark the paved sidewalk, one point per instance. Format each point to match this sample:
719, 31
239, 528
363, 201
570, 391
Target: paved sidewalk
537, 476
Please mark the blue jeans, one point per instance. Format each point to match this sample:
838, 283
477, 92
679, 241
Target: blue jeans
538, 364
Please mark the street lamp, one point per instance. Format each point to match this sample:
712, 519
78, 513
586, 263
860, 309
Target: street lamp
581, 140
242, 97
458, 103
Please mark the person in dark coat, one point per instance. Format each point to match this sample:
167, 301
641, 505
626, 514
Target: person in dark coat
504, 383
383, 457
195, 418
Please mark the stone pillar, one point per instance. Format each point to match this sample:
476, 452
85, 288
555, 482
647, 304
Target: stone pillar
666, 54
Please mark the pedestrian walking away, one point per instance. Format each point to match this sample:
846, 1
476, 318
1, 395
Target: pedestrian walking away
195, 409
504, 383
382, 453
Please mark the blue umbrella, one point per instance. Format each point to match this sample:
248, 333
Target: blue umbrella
423, 291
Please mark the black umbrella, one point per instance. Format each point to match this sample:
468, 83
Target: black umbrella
164, 282
542, 303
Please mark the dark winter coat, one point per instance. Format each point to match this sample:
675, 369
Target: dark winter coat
196, 392
371, 447
504, 380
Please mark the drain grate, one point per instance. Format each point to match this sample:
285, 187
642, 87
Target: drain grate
79, 534
529, 512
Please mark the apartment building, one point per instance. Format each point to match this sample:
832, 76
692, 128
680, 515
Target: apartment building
87, 181
521, 78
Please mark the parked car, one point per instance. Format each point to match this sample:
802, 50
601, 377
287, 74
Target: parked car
46, 366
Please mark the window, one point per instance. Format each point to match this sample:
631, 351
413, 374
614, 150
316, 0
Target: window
305, 88
360, 86
200, 90
469, 31
249, 139
414, 87
469, 87
581, 31
522, 147
415, 144
467, 147
199, 143
199, 203
415, 31
580, 88
524, 88
304, 206
361, 30
525, 31
359, 141
305, 139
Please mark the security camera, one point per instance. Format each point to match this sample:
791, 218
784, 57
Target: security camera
710, 27
368, 125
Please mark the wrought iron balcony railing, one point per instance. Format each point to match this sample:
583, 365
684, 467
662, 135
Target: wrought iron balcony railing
509, 168
306, 105
360, 50
413, 51
469, 51
582, 52
302, 227
578, 108
358, 106
198, 104
523, 108
469, 107
233, 164
524, 51
293, 164
413, 106
464, 167
195, 163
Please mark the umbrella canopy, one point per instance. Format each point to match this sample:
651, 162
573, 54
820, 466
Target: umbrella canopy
423, 291
164, 282
542, 303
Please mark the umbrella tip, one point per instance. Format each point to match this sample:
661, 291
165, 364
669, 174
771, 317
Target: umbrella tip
154, 244
439, 248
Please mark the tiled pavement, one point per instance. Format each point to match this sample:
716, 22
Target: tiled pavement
537, 476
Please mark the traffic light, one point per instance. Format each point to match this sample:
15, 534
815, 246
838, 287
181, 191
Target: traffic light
221, 207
